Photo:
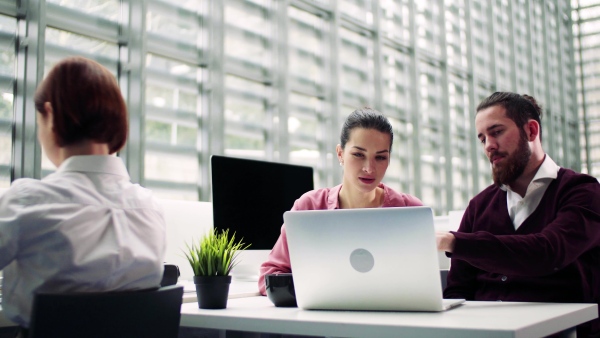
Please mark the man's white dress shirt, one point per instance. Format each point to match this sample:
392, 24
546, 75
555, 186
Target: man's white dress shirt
85, 227
519, 208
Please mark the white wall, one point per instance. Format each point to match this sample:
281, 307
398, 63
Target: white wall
187, 221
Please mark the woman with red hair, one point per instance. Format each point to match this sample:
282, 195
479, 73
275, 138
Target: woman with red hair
85, 227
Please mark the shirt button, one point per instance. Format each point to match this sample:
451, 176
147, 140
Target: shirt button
504, 278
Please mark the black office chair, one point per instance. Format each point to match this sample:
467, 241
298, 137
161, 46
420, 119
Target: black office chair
127, 314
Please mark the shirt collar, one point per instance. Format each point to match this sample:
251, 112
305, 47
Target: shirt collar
547, 171
333, 200
104, 164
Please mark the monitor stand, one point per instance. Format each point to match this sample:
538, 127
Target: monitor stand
249, 261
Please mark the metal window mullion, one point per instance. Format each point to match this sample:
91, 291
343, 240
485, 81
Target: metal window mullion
377, 58
202, 153
552, 135
215, 81
473, 80
312, 7
26, 157
176, 50
415, 118
492, 44
548, 96
133, 80
331, 173
446, 135
258, 73
314, 90
573, 159
530, 41
280, 36
513, 47
585, 122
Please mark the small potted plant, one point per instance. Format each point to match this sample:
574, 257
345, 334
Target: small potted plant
212, 258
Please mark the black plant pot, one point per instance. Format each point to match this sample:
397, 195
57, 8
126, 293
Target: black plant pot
212, 291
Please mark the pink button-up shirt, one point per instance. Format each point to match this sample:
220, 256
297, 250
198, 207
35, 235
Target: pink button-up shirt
327, 198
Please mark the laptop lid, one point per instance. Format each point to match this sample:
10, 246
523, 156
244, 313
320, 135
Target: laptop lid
365, 259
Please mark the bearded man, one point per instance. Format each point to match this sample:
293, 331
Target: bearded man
533, 235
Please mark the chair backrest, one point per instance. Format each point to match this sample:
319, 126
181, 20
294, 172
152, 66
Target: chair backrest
153, 313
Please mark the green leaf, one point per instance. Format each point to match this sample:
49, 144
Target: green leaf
214, 254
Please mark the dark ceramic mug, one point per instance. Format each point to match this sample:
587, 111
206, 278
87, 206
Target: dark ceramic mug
280, 289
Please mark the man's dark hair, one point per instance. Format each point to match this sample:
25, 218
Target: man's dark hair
519, 108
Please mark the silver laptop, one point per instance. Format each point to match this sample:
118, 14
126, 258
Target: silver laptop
365, 259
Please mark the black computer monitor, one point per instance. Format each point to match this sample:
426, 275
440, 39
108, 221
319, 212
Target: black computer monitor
250, 196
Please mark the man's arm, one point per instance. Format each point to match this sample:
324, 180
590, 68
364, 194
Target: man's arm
445, 241
462, 277
574, 230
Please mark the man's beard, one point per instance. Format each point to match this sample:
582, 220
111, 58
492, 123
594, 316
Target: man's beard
514, 164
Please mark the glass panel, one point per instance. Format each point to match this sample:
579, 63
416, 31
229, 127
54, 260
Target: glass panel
461, 131
306, 49
246, 122
173, 101
247, 33
430, 141
399, 107
8, 29
429, 26
358, 9
456, 35
306, 134
69, 43
395, 19
175, 21
356, 77
108, 9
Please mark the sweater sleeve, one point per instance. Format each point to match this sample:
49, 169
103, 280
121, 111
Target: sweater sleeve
279, 258
462, 277
574, 229
277, 262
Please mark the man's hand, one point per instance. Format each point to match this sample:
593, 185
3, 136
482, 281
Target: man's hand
445, 241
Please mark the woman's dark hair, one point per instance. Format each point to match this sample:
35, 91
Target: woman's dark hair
366, 118
519, 108
86, 101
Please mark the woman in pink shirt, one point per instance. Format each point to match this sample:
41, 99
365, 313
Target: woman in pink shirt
364, 154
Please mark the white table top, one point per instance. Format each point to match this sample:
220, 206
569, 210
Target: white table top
484, 319
237, 289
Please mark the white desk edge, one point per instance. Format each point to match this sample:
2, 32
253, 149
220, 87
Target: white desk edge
473, 319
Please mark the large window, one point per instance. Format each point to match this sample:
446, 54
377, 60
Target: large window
586, 20
274, 80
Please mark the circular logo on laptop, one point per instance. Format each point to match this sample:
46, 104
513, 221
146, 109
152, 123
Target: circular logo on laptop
362, 260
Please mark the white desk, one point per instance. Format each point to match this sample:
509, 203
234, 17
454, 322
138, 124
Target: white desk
237, 289
473, 319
